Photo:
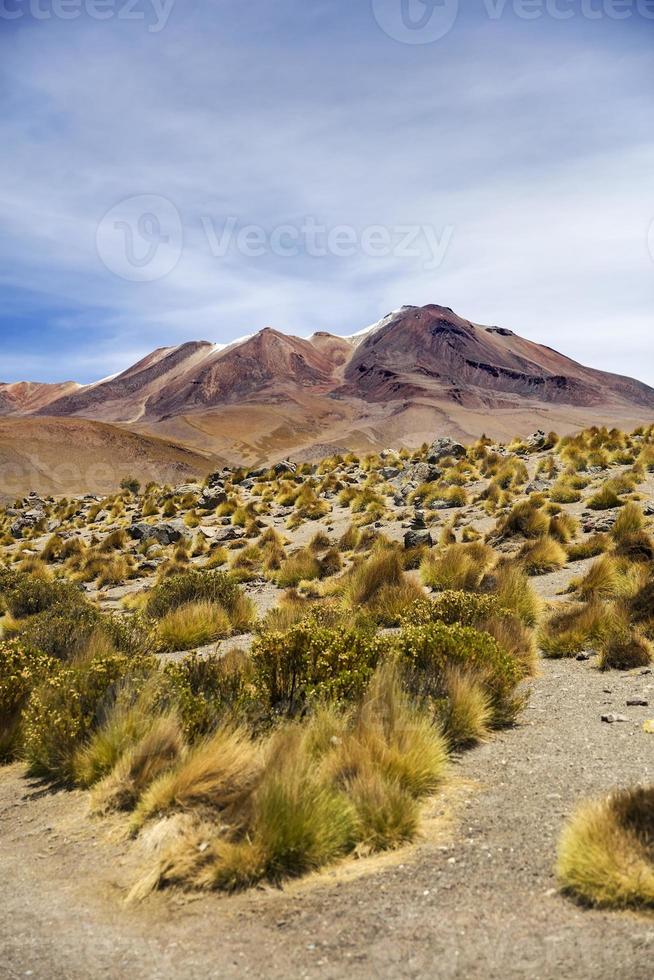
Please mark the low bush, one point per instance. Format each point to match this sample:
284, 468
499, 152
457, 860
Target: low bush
430, 653
66, 706
605, 855
209, 691
194, 624
542, 556
311, 663
20, 670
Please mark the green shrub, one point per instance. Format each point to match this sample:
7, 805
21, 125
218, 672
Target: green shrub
464, 608
206, 692
430, 652
66, 706
310, 663
20, 669
26, 595
192, 586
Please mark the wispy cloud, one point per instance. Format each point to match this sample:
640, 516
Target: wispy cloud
529, 140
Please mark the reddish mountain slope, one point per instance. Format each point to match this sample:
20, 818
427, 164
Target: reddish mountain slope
420, 371
432, 351
24, 397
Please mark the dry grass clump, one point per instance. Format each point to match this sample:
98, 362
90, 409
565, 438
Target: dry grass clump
573, 629
606, 852
610, 577
542, 556
590, 547
304, 797
515, 593
194, 624
623, 647
217, 775
606, 498
303, 566
458, 566
526, 519
379, 584
140, 763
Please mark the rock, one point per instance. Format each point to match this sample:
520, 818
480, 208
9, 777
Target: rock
26, 522
417, 539
389, 472
188, 488
419, 473
217, 479
611, 719
536, 441
444, 447
637, 702
597, 525
212, 497
583, 656
230, 533
538, 486
163, 534
648, 508
284, 467
418, 522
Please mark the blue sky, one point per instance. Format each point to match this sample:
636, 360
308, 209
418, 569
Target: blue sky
505, 168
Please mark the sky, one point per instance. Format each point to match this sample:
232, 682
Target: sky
175, 170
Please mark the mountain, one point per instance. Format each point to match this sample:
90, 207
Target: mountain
431, 350
419, 372
55, 455
24, 397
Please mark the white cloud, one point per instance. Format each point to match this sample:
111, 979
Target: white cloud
537, 157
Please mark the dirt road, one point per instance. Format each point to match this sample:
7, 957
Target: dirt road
482, 904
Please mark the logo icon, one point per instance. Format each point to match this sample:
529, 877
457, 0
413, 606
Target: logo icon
416, 21
140, 239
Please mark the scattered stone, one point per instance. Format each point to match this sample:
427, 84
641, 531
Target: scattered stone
444, 447
212, 497
538, 486
163, 534
230, 533
416, 539
27, 521
584, 655
612, 718
637, 702
284, 467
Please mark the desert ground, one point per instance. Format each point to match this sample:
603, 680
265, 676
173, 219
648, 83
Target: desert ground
541, 547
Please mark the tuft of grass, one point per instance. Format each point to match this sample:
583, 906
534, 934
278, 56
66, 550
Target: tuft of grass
218, 774
468, 713
514, 592
542, 556
194, 624
624, 648
300, 567
606, 498
159, 748
606, 852
591, 547
458, 566
573, 629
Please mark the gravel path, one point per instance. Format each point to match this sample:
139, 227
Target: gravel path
479, 902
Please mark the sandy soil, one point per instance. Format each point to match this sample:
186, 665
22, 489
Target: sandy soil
475, 900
